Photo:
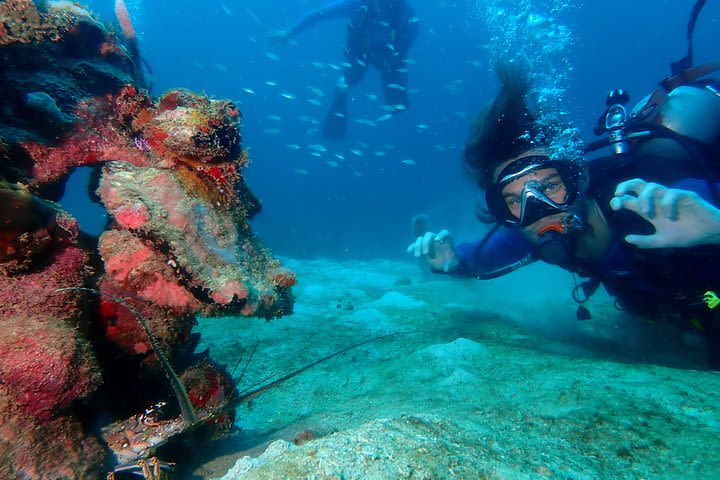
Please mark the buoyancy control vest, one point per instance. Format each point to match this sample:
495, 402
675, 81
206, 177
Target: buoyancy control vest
671, 136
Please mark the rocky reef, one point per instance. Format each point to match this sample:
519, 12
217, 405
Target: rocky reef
97, 351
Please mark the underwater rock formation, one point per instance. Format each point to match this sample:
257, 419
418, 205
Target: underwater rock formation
98, 330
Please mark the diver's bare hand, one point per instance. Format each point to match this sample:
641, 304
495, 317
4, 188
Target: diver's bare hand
681, 217
437, 250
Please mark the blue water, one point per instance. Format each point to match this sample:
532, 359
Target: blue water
363, 207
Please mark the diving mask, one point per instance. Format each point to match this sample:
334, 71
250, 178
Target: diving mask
532, 188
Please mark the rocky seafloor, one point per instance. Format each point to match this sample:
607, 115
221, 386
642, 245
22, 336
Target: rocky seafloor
497, 381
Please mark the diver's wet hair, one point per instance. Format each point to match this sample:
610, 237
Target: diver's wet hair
503, 129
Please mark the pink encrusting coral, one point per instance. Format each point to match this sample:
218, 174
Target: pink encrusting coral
47, 365
96, 330
202, 240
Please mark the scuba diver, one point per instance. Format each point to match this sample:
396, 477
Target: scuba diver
380, 33
604, 219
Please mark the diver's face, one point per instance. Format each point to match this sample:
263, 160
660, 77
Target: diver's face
546, 181
542, 181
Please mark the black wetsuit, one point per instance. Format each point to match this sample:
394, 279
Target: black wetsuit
661, 284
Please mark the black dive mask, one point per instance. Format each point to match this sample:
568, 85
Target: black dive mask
538, 197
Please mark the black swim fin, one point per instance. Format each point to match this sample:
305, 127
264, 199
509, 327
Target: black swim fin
336, 120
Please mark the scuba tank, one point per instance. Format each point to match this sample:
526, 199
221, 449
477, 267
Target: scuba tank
684, 107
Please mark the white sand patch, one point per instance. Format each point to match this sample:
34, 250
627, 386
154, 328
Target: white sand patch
396, 300
373, 320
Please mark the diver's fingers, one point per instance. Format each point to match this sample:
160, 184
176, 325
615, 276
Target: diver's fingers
427, 241
417, 247
626, 201
636, 186
442, 236
648, 196
670, 203
644, 241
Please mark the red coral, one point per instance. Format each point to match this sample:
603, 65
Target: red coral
284, 278
169, 101
209, 390
132, 216
46, 362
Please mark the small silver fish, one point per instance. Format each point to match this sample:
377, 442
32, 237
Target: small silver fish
316, 91
252, 15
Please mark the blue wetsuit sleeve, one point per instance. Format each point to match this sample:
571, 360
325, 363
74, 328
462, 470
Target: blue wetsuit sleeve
504, 248
701, 187
328, 11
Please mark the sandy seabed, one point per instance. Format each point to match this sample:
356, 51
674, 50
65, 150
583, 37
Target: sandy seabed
498, 380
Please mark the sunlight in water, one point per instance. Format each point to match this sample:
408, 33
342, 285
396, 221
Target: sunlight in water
533, 32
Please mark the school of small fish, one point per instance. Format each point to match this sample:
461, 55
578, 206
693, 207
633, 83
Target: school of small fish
334, 156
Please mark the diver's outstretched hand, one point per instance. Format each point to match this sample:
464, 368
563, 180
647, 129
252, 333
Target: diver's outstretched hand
681, 217
279, 37
437, 250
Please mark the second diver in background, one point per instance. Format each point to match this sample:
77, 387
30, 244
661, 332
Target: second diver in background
380, 33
